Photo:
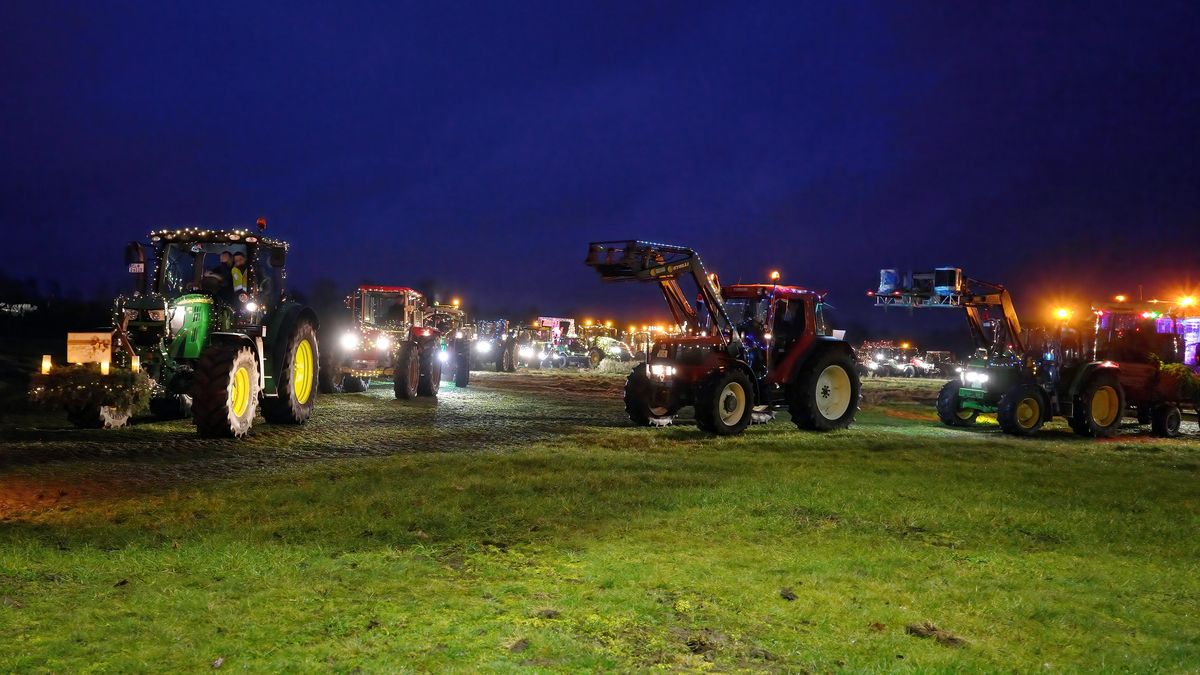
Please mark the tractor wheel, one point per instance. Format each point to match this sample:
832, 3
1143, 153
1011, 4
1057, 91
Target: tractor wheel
1166, 420
639, 405
824, 396
949, 407
725, 404
406, 371
355, 385
499, 365
1100, 407
1022, 410
510, 357
296, 388
225, 391
1145, 414
171, 407
909, 371
431, 372
595, 356
462, 371
327, 379
97, 417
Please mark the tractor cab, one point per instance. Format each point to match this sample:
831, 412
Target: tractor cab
494, 345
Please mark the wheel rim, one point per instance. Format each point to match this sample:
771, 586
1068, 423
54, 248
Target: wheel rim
965, 414
833, 392
732, 403
302, 372
1174, 420
1104, 406
1029, 412
239, 394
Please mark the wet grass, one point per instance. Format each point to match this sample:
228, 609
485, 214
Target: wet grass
511, 525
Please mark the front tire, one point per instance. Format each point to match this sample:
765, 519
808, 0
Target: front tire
1022, 410
949, 407
406, 372
431, 372
225, 391
725, 404
825, 395
1100, 407
296, 392
639, 401
1166, 420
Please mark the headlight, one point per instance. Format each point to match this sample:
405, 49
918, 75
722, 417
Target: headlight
458, 335
541, 354
972, 377
131, 315
525, 352
157, 314
443, 356
382, 343
350, 341
483, 347
662, 371
879, 356
872, 366
251, 306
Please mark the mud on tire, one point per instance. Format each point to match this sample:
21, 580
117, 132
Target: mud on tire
225, 391
297, 384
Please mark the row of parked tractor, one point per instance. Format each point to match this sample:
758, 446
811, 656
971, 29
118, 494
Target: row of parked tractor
222, 347
395, 333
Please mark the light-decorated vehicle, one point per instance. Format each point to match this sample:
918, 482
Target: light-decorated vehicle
603, 342
494, 346
1127, 361
532, 345
747, 348
388, 338
455, 335
219, 341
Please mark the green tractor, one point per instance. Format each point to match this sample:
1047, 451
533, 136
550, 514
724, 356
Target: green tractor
212, 326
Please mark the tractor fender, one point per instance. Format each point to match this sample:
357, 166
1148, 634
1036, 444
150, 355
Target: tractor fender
242, 340
1086, 372
819, 345
279, 331
734, 364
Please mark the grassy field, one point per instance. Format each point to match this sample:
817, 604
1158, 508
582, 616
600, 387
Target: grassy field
521, 523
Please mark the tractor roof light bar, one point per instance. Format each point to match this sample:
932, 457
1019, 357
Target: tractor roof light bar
664, 264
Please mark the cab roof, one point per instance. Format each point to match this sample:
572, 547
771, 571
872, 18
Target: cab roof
755, 290
371, 288
214, 236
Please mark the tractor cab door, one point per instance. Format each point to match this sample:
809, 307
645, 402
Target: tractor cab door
267, 276
788, 325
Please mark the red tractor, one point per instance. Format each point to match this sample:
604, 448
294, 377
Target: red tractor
389, 338
744, 349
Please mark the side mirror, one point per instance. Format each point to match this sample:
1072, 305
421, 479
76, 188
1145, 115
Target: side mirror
277, 257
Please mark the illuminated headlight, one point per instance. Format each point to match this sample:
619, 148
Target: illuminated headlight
541, 355
382, 343
157, 314
662, 371
443, 356
972, 377
458, 335
525, 352
872, 366
958, 369
879, 356
350, 341
251, 306
483, 347
131, 315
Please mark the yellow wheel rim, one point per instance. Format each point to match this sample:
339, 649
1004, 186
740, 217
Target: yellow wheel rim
302, 372
1104, 406
965, 414
239, 395
1029, 411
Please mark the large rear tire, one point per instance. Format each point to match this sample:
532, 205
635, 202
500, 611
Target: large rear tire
949, 407
296, 392
1022, 410
1100, 407
406, 372
510, 357
824, 396
431, 372
225, 391
639, 404
725, 404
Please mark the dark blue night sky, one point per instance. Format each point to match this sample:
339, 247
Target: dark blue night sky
1050, 145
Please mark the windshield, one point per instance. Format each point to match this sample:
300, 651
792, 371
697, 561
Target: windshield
183, 264
744, 311
383, 309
